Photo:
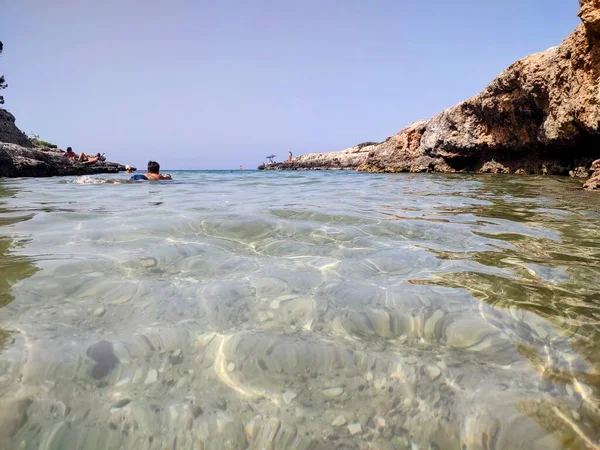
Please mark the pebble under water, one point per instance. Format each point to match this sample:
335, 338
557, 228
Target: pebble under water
299, 310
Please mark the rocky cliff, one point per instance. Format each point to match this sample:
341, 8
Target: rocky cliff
18, 161
541, 115
9, 132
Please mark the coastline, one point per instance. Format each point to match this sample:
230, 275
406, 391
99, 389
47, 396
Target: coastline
19, 157
539, 116
19, 161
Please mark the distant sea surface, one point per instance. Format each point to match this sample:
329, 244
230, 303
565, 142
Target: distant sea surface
299, 310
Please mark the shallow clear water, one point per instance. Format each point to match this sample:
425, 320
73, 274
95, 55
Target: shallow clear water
234, 310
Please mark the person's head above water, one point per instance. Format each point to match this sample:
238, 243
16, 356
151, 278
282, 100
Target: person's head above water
154, 174
153, 167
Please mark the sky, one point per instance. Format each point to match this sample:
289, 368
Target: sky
200, 84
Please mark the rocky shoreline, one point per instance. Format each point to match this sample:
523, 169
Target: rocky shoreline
18, 161
349, 159
20, 158
540, 116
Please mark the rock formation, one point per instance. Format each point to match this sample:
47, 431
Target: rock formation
541, 115
20, 158
9, 132
348, 159
18, 161
594, 181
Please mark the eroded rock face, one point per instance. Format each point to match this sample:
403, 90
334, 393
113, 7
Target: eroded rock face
18, 161
9, 132
589, 13
594, 181
540, 115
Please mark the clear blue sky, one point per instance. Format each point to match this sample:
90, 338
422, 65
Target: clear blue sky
215, 84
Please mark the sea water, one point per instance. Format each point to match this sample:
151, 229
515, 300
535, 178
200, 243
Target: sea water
299, 310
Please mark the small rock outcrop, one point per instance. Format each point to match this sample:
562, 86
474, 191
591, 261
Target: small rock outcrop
593, 183
541, 115
348, 159
19, 161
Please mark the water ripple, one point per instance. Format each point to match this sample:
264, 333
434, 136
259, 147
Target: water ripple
299, 310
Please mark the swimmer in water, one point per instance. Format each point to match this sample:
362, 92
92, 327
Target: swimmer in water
153, 173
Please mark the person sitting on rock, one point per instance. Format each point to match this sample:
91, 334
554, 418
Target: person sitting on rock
70, 154
153, 173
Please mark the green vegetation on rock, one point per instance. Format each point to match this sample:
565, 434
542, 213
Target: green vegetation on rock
37, 142
41, 143
366, 144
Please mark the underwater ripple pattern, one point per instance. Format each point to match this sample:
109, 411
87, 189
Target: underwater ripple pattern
299, 311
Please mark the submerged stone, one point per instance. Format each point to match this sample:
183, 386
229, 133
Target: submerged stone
152, 377
102, 353
355, 428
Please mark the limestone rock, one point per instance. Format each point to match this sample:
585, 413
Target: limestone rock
21, 161
589, 12
348, 159
152, 377
594, 181
355, 428
542, 110
9, 132
333, 392
494, 167
339, 421
289, 396
579, 172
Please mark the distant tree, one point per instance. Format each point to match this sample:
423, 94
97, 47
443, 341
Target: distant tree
2, 82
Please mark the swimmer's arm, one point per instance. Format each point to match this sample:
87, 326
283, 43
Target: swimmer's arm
166, 177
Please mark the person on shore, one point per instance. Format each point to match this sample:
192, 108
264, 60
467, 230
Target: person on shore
70, 154
290, 157
153, 173
83, 158
128, 169
89, 159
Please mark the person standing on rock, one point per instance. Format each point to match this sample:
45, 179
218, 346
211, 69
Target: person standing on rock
290, 157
